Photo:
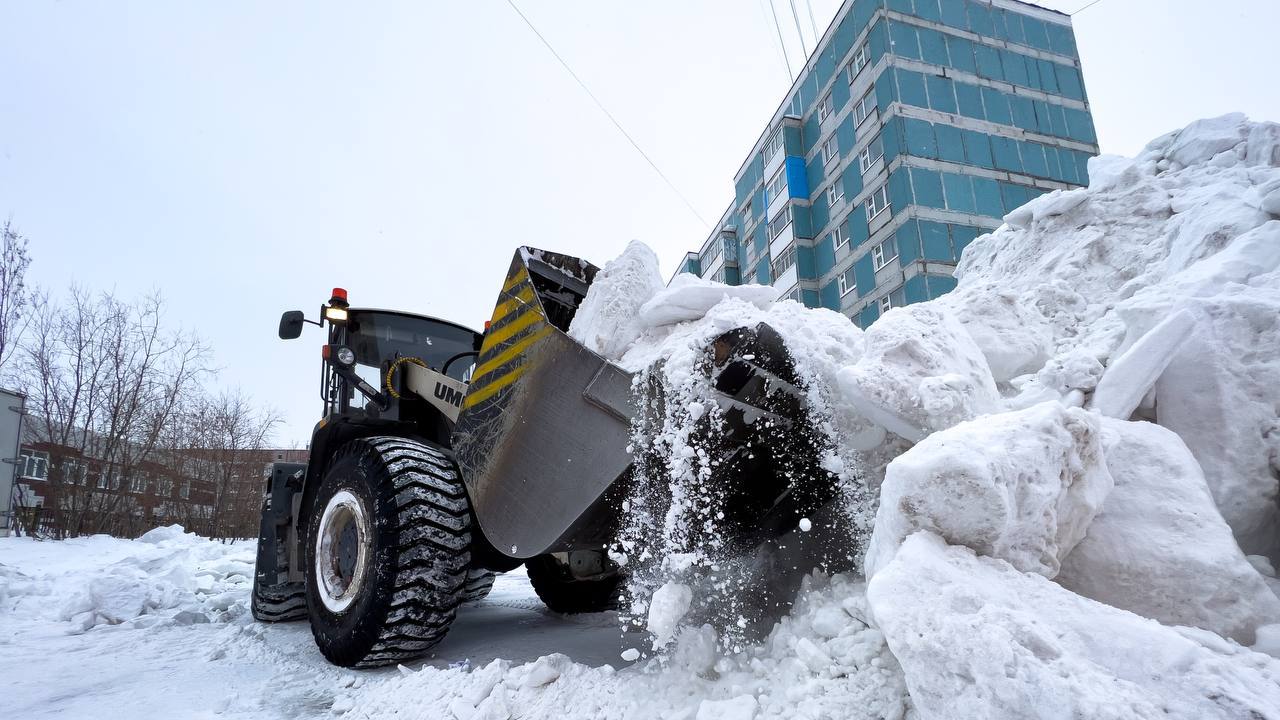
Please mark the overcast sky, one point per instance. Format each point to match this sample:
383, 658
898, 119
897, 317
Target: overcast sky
246, 157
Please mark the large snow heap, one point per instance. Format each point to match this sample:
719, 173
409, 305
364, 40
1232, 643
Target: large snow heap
1078, 449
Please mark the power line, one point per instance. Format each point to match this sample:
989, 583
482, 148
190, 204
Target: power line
609, 115
778, 27
800, 33
808, 6
782, 51
1086, 7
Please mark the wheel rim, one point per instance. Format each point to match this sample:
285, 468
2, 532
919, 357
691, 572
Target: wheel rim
342, 550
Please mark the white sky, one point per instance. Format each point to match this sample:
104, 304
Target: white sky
246, 157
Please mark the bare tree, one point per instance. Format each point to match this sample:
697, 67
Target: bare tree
15, 297
230, 456
104, 381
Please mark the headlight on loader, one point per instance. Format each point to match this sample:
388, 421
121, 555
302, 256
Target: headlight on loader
346, 356
341, 354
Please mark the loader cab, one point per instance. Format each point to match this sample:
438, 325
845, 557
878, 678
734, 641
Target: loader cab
366, 347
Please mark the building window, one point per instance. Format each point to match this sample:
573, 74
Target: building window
184, 491
777, 186
864, 108
104, 479
871, 153
780, 223
824, 108
878, 202
884, 253
746, 213
830, 150
835, 193
164, 487
33, 464
74, 472
772, 146
794, 294
784, 261
138, 483
839, 238
891, 300
846, 282
861, 59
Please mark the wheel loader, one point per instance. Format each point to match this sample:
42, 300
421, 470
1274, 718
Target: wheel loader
446, 455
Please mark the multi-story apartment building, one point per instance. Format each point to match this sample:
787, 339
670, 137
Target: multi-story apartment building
913, 128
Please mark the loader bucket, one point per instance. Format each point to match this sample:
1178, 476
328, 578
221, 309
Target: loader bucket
545, 422
543, 433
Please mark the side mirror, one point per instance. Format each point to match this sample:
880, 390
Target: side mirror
291, 324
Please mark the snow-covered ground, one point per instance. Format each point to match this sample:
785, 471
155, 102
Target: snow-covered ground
176, 639
1060, 481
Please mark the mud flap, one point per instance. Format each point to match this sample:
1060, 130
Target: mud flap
277, 537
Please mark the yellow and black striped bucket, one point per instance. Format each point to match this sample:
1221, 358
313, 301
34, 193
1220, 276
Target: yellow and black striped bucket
545, 422
517, 324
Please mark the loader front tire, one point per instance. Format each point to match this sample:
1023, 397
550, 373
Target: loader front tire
562, 592
387, 551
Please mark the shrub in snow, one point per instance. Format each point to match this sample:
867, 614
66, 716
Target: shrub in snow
1160, 548
978, 639
1021, 486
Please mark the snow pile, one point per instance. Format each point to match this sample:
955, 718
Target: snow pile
1160, 515
919, 372
976, 638
1153, 296
1186, 227
166, 577
1021, 486
608, 320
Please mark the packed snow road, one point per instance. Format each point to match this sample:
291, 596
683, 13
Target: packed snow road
99, 627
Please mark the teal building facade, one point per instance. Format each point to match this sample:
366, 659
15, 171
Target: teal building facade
914, 127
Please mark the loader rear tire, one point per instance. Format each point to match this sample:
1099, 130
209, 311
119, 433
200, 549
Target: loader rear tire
387, 551
563, 593
478, 585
